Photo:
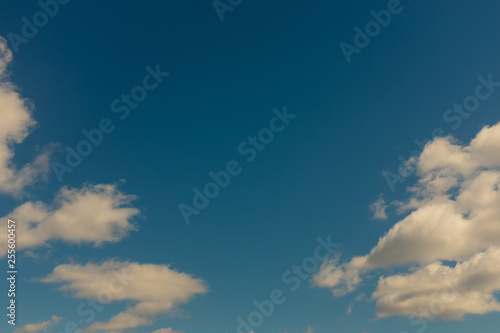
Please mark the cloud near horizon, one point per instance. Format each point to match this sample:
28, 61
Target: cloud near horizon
453, 215
166, 330
156, 289
39, 327
16, 124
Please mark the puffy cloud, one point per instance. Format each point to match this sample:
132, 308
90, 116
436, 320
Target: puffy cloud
342, 278
93, 214
15, 126
40, 327
156, 289
453, 215
379, 208
440, 290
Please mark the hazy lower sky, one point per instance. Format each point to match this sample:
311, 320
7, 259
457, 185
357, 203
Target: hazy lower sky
232, 166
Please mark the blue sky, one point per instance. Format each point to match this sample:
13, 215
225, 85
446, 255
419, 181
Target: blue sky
317, 177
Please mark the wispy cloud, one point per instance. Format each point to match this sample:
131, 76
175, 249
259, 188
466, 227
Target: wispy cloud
166, 330
379, 208
349, 308
39, 327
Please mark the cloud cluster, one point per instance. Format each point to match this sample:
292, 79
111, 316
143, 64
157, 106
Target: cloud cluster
40, 327
93, 214
17, 121
453, 215
156, 289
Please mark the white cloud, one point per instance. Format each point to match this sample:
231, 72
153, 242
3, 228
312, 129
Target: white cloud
453, 215
379, 208
93, 214
440, 290
156, 289
40, 327
342, 278
16, 123
166, 330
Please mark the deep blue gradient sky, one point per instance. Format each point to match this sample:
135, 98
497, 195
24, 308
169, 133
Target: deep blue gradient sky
317, 178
